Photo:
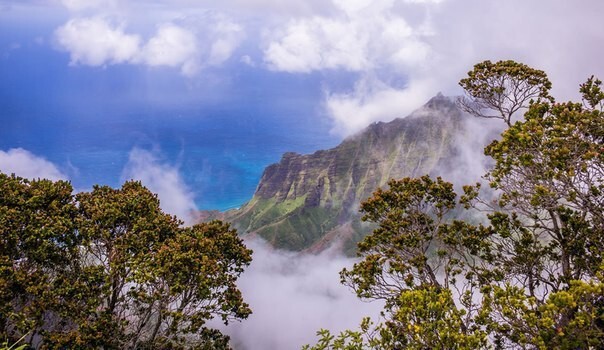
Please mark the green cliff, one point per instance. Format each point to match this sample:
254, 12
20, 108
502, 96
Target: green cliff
306, 202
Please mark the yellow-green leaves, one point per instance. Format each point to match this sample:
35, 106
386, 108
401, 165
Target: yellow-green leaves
498, 90
592, 93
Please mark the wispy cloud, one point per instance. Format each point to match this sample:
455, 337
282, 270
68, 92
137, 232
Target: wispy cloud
82, 5
163, 179
373, 100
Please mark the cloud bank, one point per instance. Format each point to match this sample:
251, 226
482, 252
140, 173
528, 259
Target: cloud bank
366, 37
27, 165
361, 36
164, 180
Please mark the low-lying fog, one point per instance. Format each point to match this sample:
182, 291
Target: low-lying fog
293, 296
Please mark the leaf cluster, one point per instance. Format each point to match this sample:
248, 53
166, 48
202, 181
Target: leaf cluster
499, 90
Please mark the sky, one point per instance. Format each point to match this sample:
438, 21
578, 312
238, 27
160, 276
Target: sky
196, 97
100, 91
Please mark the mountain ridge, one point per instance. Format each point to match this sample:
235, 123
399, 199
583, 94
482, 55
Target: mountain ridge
307, 202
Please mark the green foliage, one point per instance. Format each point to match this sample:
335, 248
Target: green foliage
550, 170
592, 93
365, 338
504, 88
109, 269
530, 275
409, 215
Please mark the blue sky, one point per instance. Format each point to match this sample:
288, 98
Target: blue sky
207, 94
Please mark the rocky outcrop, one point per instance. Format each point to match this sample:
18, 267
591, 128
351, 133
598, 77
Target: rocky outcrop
306, 201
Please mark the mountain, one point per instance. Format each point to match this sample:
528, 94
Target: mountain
306, 202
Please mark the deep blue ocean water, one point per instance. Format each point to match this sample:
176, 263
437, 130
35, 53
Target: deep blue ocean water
220, 129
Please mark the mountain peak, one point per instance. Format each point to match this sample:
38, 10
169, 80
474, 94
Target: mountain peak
441, 101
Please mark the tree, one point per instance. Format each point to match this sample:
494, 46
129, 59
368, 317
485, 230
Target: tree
192, 287
499, 90
109, 269
529, 274
416, 262
412, 261
548, 237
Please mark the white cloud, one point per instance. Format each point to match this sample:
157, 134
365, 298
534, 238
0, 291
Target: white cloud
319, 43
292, 296
246, 59
192, 45
362, 36
172, 46
27, 165
162, 179
188, 36
95, 42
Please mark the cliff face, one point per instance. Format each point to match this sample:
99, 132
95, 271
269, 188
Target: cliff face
306, 201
